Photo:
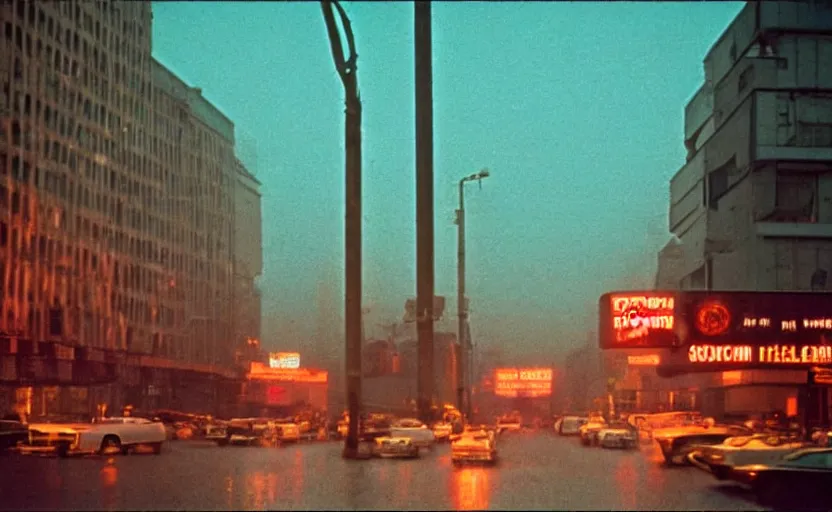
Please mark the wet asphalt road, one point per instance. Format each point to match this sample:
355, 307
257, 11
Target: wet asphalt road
536, 471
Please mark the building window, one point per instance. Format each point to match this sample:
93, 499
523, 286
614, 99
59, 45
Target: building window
795, 198
718, 182
814, 135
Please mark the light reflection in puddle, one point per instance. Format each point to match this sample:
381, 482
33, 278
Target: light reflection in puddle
471, 488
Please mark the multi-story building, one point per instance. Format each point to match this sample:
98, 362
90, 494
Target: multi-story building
248, 255
752, 204
117, 201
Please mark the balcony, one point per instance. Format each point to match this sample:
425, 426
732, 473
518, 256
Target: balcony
793, 230
686, 193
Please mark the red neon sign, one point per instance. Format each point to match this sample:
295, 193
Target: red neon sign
633, 319
525, 382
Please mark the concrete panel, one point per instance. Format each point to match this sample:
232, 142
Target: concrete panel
687, 209
795, 15
731, 45
687, 178
698, 111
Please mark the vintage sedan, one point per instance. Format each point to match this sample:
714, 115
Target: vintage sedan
570, 425
104, 436
395, 448
676, 443
618, 434
589, 430
12, 433
442, 431
800, 480
478, 446
742, 451
414, 429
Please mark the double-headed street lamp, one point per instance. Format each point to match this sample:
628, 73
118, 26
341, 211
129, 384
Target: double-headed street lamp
465, 359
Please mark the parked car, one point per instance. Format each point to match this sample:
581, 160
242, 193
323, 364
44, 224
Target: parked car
510, 423
395, 448
414, 429
570, 425
618, 434
104, 436
442, 431
12, 433
678, 442
743, 451
801, 480
588, 432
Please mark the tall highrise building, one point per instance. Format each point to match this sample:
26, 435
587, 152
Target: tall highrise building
117, 200
750, 204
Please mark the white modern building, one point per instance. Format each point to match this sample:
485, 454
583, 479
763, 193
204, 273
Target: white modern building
752, 206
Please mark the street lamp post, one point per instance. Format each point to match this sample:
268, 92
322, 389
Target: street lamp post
464, 361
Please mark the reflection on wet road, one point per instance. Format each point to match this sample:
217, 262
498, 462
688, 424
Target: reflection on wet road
536, 471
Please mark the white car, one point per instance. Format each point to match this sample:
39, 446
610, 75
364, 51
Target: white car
415, 430
570, 425
742, 451
618, 435
395, 448
104, 436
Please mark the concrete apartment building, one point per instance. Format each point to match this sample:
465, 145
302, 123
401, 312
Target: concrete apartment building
119, 190
752, 207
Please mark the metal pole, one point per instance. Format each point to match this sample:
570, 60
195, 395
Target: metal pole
460, 301
424, 205
352, 223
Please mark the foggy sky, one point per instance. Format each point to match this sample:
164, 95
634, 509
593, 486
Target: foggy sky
576, 108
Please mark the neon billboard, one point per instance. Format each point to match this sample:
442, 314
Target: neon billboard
523, 382
662, 319
284, 360
644, 360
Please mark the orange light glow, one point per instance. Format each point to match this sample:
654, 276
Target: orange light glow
529, 382
732, 378
791, 406
109, 474
644, 360
471, 488
259, 371
713, 318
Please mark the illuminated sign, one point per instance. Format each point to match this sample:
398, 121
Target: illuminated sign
660, 319
259, 371
638, 319
287, 360
707, 357
524, 382
645, 360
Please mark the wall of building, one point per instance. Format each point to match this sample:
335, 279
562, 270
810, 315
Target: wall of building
116, 193
750, 206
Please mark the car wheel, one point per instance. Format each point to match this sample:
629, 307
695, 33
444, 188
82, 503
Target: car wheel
111, 444
766, 491
156, 448
63, 450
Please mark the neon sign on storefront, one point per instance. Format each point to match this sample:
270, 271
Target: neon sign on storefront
775, 354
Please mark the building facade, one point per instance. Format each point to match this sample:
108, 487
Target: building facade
117, 213
751, 206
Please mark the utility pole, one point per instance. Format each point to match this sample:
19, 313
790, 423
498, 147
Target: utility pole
424, 205
353, 317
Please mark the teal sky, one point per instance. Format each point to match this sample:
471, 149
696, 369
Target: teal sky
576, 108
